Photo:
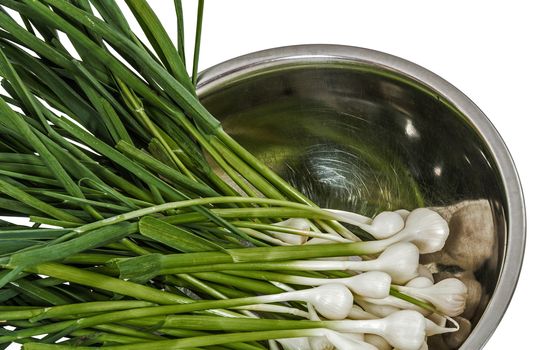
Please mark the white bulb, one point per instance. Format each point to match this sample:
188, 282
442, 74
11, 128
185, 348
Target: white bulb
448, 296
426, 229
404, 213
358, 313
420, 282
378, 308
405, 330
373, 284
333, 301
295, 223
401, 261
386, 224
394, 302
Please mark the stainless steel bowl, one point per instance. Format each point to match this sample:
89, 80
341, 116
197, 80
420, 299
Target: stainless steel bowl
362, 130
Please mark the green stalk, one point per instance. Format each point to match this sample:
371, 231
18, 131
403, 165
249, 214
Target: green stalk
283, 229
135, 168
197, 341
96, 238
164, 170
77, 201
142, 336
20, 158
31, 178
33, 202
137, 107
180, 30
279, 183
160, 41
261, 258
173, 88
16, 121
175, 237
245, 284
36, 314
197, 48
103, 337
96, 280
197, 202
200, 285
423, 304
245, 171
38, 293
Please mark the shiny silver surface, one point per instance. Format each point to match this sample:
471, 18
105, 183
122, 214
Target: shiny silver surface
361, 130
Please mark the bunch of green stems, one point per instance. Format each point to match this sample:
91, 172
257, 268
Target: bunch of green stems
106, 149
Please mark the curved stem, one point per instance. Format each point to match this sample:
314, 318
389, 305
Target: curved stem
197, 202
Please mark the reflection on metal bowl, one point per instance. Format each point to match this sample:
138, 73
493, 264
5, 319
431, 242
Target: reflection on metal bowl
361, 130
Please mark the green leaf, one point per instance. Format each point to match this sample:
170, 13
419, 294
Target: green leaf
165, 170
13, 245
90, 240
33, 202
175, 237
139, 269
170, 85
160, 41
197, 47
180, 30
43, 295
25, 130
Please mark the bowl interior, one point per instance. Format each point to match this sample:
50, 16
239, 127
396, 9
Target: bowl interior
362, 137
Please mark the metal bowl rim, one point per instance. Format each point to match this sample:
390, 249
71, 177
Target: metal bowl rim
228, 71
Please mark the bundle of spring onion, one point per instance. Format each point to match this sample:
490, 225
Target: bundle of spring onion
137, 241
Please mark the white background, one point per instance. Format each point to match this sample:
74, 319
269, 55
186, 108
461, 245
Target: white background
485, 48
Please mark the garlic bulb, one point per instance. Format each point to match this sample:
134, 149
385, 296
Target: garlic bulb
295, 223
357, 313
373, 284
404, 213
378, 310
384, 225
395, 302
426, 229
448, 296
333, 301
420, 282
405, 330
401, 261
